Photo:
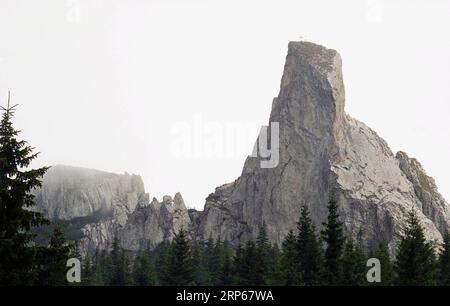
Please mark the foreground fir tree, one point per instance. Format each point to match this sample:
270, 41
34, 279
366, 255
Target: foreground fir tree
179, 265
416, 262
249, 270
333, 236
17, 252
289, 274
444, 262
387, 268
353, 265
309, 250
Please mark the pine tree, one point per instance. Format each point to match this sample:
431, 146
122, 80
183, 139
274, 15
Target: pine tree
387, 268
201, 274
416, 262
273, 278
160, 256
52, 259
251, 266
87, 272
334, 239
212, 257
444, 262
17, 253
289, 274
238, 266
266, 263
102, 268
309, 250
353, 265
120, 274
143, 272
179, 269
226, 268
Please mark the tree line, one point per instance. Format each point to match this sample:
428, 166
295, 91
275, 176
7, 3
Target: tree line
305, 258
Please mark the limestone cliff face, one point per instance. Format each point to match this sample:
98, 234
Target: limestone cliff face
323, 151
149, 225
70, 192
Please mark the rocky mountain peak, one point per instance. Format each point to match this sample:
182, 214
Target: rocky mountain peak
322, 152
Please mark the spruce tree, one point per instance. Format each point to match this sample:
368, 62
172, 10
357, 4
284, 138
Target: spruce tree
238, 266
226, 268
87, 271
251, 266
212, 257
353, 265
289, 273
334, 238
387, 268
120, 273
444, 262
143, 272
309, 250
201, 274
179, 269
17, 252
416, 262
53, 258
161, 258
266, 263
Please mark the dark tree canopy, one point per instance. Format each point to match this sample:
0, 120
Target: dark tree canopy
17, 252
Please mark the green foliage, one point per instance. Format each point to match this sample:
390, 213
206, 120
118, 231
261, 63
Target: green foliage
289, 274
143, 271
179, 265
182, 262
353, 265
310, 257
226, 268
416, 261
22, 262
444, 262
334, 238
387, 268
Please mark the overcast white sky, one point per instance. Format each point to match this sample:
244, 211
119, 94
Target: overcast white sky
103, 84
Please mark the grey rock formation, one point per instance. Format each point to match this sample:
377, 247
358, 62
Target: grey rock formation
69, 192
148, 225
323, 151
152, 224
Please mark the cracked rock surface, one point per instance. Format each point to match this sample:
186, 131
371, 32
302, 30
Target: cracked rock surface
322, 151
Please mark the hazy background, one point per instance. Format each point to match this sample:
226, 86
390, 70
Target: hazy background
101, 84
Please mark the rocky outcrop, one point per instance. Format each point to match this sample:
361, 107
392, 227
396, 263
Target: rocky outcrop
323, 151
69, 192
149, 225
